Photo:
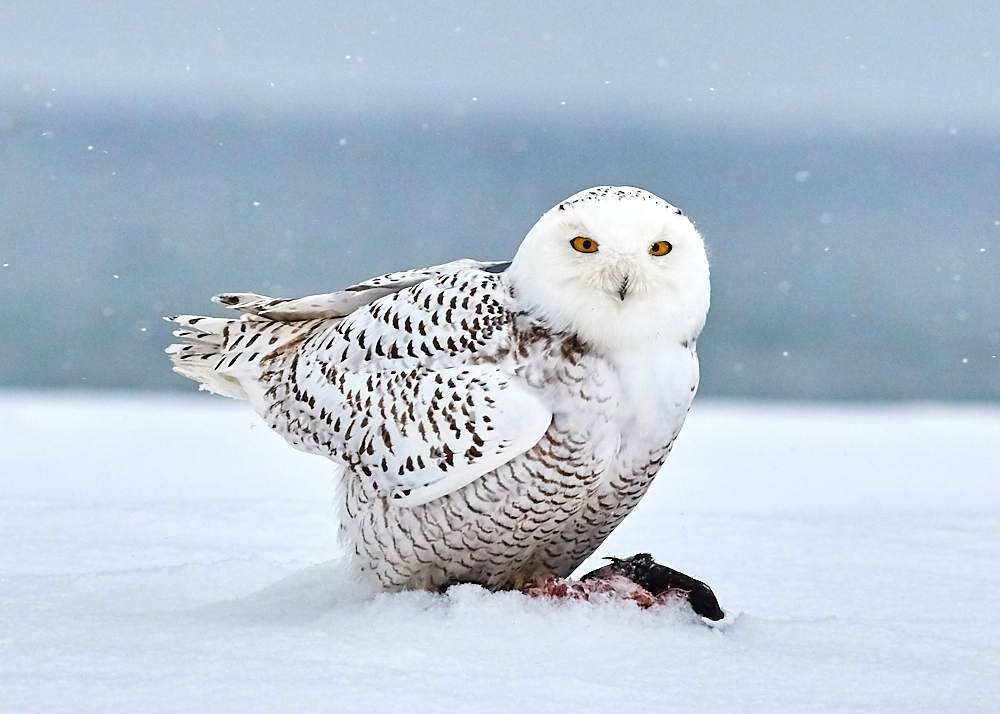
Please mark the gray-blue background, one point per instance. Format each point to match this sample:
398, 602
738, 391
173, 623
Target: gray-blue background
843, 164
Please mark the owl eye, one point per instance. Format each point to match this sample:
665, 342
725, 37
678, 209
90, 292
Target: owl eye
584, 245
660, 247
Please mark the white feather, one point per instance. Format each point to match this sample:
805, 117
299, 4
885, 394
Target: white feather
491, 427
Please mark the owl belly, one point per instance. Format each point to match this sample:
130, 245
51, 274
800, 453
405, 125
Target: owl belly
543, 513
512, 524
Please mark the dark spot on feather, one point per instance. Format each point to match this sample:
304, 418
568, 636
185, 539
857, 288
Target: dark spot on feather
449, 455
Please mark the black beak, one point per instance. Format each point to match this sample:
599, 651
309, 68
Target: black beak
624, 288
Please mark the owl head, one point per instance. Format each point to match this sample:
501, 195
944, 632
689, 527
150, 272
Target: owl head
616, 266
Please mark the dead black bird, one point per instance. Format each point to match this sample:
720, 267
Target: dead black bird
661, 582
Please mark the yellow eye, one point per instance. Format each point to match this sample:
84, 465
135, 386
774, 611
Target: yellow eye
584, 245
660, 247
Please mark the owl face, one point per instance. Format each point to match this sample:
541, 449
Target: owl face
616, 265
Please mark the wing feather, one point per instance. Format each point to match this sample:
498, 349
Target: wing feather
416, 390
343, 302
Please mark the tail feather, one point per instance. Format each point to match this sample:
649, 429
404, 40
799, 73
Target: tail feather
224, 355
202, 353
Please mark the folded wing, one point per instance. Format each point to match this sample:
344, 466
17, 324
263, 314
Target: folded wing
414, 389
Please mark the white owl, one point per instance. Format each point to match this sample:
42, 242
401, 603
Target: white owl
494, 424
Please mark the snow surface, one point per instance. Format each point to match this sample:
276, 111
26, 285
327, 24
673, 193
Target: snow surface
161, 554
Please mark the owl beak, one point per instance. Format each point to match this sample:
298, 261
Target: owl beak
623, 289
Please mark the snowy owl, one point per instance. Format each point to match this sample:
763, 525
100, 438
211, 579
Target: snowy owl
494, 422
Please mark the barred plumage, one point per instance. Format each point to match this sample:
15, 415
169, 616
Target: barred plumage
493, 427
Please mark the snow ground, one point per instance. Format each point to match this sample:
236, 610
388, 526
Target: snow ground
165, 554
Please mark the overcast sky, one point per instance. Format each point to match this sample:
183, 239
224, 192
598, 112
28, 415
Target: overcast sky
932, 64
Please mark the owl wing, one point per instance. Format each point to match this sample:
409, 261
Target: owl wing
415, 390
344, 302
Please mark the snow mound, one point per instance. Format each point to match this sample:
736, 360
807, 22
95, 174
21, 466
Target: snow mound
162, 554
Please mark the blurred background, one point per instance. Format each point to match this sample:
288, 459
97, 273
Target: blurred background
842, 162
